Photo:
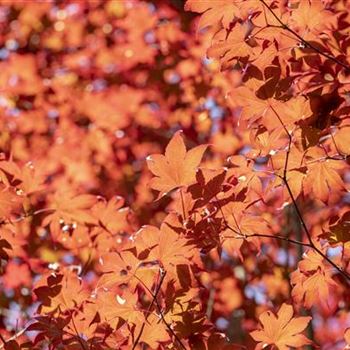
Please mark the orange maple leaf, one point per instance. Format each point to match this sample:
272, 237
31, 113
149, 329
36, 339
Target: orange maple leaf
9, 201
154, 332
114, 308
125, 268
312, 282
282, 330
219, 11
60, 292
111, 215
69, 209
166, 247
226, 48
177, 167
311, 15
341, 140
312, 289
322, 178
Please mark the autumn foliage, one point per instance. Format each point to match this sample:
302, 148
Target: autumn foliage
175, 175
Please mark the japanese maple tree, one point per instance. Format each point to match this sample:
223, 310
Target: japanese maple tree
174, 174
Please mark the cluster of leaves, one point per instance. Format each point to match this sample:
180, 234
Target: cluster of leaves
114, 234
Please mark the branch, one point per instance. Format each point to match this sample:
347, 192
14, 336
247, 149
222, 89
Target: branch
80, 340
245, 236
155, 301
313, 246
162, 274
183, 206
24, 216
296, 207
269, 236
14, 337
302, 40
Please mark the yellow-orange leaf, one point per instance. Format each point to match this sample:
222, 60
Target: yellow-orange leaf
219, 11
177, 167
282, 330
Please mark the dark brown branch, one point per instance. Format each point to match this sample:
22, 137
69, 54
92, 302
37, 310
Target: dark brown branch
262, 235
80, 340
339, 269
296, 207
302, 40
154, 296
155, 302
183, 205
243, 236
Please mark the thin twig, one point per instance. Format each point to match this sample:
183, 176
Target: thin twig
80, 340
263, 235
302, 40
183, 205
155, 295
296, 207
303, 224
160, 309
14, 337
24, 216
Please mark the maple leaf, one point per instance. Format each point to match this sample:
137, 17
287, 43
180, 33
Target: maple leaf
24, 178
267, 142
339, 228
86, 95
126, 268
154, 332
208, 185
31, 179
110, 215
13, 241
9, 201
114, 308
323, 178
219, 11
295, 170
48, 327
167, 249
294, 110
179, 305
312, 261
281, 330
247, 176
312, 288
177, 168
312, 282
240, 228
83, 323
341, 140
234, 46
311, 15
69, 209
252, 107
60, 292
